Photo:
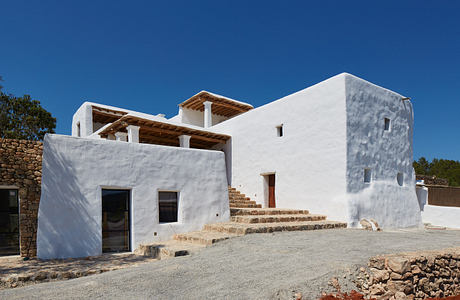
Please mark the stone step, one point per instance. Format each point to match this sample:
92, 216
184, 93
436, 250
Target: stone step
242, 201
245, 205
241, 228
203, 237
238, 198
251, 219
237, 194
167, 249
244, 211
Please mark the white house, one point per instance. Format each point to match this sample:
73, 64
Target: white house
342, 147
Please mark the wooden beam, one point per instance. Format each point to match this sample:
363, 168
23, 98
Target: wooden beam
177, 133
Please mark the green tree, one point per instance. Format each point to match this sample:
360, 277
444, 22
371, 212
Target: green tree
421, 166
24, 118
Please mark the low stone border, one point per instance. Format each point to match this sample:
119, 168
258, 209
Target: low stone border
15, 272
412, 275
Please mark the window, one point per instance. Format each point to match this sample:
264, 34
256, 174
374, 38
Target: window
167, 203
367, 175
279, 130
78, 130
387, 124
400, 179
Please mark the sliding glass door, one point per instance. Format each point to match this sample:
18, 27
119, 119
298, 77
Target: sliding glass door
115, 220
9, 222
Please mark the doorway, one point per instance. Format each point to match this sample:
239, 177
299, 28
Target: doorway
115, 220
9, 222
271, 190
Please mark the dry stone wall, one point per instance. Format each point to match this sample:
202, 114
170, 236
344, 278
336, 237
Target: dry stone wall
21, 167
414, 275
433, 180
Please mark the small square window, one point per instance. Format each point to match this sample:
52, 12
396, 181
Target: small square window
167, 206
387, 124
367, 175
279, 130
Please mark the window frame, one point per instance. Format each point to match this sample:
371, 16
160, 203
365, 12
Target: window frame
177, 206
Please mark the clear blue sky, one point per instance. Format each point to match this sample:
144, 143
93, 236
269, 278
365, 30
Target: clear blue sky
151, 55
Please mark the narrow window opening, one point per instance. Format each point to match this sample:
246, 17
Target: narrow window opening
167, 203
367, 175
78, 129
400, 179
387, 124
279, 130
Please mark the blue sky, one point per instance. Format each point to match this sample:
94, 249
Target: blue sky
151, 55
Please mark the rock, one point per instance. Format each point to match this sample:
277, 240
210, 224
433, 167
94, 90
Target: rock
400, 296
396, 286
379, 275
396, 276
377, 290
366, 224
377, 262
416, 269
399, 265
41, 276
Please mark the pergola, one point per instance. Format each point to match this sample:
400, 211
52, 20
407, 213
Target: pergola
220, 105
105, 115
161, 133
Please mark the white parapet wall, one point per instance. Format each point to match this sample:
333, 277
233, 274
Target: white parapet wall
75, 170
441, 216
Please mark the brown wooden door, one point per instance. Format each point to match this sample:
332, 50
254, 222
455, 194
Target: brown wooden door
271, 190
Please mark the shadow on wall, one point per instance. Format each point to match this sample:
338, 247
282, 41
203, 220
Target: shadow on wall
67, 222
228, 160
374, 203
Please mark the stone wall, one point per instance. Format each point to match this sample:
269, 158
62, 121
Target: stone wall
21, 166
433, 180
414, 275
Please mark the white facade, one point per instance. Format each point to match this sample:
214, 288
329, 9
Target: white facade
75, 170
332, 132
342, 147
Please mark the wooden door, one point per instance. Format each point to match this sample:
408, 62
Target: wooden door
271, 190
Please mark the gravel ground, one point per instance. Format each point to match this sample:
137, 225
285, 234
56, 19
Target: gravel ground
257, 266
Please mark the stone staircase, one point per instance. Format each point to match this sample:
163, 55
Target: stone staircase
246, 217
238, 200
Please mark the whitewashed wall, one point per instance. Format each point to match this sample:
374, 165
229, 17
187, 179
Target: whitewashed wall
386, 153
195, 117
309, 161
441, 216
332, 131
75, 170
84, 117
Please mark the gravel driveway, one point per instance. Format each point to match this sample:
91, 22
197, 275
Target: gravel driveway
257, 266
